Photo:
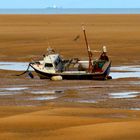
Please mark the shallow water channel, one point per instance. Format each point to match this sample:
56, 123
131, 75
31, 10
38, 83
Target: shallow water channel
116, 72
123, 94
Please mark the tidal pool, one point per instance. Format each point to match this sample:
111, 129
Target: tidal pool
44, 98
7, 93
121, 95
125, 72
47, 92
136, 109
117, 75
13, 89
87, 101
15, 66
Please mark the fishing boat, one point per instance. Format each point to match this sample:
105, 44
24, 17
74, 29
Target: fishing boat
54, 67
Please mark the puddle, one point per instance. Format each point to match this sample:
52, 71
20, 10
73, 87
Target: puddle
8, 93
46, 92
16, 66
13, 89
134, 82
124, 95
117, 75
137, 109
125, 72
45, 98
126, 68
87, 101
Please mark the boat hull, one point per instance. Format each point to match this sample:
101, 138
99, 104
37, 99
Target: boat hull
75, 76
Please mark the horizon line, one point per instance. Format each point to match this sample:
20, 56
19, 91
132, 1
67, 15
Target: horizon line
74, 8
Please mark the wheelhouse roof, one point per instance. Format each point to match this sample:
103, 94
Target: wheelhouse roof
51, 58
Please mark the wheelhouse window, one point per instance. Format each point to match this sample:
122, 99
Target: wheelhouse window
57, 61
48, 65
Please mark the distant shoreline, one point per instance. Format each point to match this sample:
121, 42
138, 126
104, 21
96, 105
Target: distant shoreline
72, 11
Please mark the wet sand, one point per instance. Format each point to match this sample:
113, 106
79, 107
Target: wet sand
44, 109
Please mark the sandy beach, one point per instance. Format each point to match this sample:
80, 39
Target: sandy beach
59, 110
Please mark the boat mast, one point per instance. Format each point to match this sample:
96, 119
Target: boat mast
90, 68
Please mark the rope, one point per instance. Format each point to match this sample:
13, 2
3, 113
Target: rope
27, 70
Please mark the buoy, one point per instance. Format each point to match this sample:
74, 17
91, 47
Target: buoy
56, 78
